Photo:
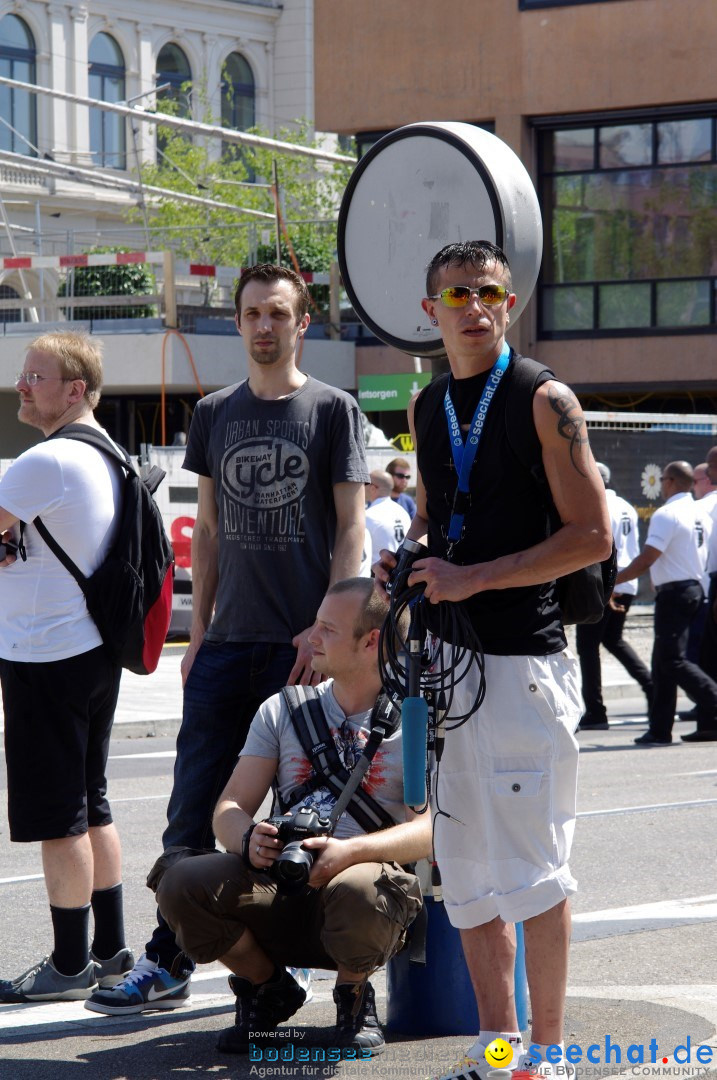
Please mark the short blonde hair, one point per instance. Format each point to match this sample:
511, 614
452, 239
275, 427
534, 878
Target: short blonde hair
79, 357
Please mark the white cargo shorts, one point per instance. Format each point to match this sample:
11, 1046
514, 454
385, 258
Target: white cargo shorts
507, 781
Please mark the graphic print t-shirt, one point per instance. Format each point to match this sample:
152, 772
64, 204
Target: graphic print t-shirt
272, 735
274, 464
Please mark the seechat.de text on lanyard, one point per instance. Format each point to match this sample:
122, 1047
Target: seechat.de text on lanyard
464, 452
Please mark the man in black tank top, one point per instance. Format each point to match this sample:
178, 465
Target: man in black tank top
507, 779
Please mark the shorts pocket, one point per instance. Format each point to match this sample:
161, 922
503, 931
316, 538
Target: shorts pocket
522, 830
521, 784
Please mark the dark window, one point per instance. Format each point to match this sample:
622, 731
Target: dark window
173, 68
630, 215
18, 111
238, 108
526, 5
107, 130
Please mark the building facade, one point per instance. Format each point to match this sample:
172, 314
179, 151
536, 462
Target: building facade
612, 107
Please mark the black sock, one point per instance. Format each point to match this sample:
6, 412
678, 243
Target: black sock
109, 922
70, 925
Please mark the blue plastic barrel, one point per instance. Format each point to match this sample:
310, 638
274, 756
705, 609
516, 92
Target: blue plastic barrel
438, 999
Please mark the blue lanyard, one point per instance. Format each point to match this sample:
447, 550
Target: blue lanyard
464, 453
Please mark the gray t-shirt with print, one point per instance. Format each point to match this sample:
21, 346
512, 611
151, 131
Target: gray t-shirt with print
274, 464
272, 735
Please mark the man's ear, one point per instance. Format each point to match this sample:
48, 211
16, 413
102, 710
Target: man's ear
511, 300
304, 324
372, 639
429, 307
236, 322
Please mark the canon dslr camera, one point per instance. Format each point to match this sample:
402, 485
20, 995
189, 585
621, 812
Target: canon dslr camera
292, 866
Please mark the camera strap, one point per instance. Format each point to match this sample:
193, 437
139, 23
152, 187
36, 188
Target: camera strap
312, 730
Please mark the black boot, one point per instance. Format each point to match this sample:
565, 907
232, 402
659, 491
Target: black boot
356, 1021
259, 1009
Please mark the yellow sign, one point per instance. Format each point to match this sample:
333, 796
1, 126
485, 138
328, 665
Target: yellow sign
403, 443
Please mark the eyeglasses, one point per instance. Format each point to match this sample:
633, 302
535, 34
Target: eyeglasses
31, 378
402, 475
456, 296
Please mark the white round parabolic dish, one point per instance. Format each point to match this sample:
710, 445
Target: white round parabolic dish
417, 189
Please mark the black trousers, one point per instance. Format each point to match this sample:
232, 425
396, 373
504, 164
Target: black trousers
674, 610
608, 632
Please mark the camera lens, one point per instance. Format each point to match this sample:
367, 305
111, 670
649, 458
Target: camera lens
292, 867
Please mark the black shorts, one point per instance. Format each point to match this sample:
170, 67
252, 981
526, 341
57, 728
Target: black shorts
58, 719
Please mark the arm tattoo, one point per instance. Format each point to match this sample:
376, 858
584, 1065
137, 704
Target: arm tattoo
571, 426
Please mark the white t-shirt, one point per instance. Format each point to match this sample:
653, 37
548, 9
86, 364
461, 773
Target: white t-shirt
272, 735
623, 519
680, 530
388, 524
75, 490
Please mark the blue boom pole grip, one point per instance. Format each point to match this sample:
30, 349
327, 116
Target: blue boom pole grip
414, 727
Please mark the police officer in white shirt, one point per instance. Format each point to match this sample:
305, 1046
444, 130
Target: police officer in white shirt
608, 631
676, 555
386, 520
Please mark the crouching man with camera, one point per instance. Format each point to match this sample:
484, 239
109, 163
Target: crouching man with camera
337, 899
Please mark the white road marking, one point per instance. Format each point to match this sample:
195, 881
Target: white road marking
647, 808
49, 1015
148, 754
591, 925
25, 877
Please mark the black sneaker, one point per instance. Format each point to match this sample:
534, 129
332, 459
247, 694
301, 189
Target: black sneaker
356, 1020
258, 1010
648, 739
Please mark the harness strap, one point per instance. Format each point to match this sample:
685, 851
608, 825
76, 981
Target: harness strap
312, 730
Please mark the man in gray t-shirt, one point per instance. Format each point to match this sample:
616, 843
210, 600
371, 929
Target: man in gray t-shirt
352, 912
280, 516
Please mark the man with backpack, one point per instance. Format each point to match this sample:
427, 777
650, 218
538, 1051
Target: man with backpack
281, 469
352, 913
59, 682
508, 500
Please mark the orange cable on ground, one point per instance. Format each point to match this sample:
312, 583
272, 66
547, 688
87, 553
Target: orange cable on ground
162, 395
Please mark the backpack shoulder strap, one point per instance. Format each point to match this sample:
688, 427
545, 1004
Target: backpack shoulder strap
94, 437
312, 730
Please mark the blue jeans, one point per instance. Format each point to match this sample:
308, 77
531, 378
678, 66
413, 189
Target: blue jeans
226, 685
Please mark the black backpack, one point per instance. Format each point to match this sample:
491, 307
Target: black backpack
130, 595
584, 594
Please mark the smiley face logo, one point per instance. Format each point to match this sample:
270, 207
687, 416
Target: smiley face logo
499, 1054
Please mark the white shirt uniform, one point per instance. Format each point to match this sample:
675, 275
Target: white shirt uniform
623, 520
388, 524
681, 531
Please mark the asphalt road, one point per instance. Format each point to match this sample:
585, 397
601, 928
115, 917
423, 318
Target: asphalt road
642, 962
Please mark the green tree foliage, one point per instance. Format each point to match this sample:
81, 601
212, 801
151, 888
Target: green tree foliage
309, 192
115, 280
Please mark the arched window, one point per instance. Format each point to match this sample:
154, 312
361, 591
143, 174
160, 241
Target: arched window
9, 314
107, 130
173, 67
17, 107
238, 97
